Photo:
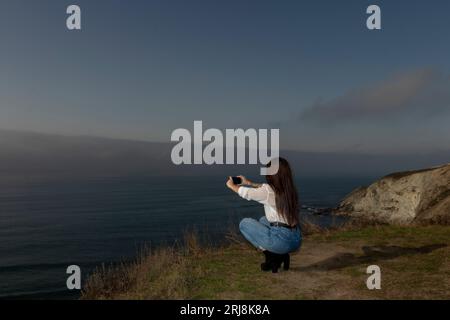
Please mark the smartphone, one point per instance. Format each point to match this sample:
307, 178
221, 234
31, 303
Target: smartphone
236, 180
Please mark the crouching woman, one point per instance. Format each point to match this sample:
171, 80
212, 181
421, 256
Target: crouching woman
278, 232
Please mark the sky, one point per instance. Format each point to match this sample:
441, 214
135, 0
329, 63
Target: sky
141, 69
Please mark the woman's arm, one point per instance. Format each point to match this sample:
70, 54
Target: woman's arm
247, 182
257, 194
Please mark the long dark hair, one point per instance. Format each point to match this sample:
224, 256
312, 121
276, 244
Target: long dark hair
286, 197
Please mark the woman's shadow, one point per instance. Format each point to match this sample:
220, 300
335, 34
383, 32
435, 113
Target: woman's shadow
371, 255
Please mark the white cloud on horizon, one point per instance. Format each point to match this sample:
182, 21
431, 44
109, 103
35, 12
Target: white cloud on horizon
420, 93
407, 112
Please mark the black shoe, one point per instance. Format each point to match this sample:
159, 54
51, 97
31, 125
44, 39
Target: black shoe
266, 265
273, 261
277, 260
276, 265
286, 261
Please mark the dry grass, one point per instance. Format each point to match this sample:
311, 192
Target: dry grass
161, 273
330, 265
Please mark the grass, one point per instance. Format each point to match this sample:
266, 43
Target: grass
399, 175
384, 233
414, 261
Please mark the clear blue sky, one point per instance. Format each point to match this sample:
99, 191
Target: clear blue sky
140, 69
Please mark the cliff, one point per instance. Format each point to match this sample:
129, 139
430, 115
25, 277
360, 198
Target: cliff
329, 265
421, 196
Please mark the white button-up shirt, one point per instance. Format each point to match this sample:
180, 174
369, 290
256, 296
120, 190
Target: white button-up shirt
266, 196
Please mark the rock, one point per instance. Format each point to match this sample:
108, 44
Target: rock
421, 196
322, 211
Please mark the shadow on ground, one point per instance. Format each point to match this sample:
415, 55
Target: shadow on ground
371, 255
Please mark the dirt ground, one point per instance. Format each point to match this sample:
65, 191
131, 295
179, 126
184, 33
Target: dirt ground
414, 264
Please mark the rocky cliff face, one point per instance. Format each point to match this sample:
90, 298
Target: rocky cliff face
403, 198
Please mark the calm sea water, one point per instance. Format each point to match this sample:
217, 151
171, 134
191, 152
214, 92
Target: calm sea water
48, 224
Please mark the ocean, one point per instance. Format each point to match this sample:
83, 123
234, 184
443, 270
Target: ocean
47, 224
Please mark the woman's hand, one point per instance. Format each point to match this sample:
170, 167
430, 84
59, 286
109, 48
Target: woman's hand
231, 185
245, 181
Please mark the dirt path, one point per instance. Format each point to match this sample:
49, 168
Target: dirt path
330, 270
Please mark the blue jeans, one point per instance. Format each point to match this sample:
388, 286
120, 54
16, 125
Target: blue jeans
262, 235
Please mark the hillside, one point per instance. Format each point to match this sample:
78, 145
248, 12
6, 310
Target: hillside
420, 196
414, 263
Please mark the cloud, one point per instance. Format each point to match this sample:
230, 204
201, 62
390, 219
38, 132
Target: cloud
422, 92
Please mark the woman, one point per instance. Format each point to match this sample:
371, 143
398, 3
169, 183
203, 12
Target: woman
278, 232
